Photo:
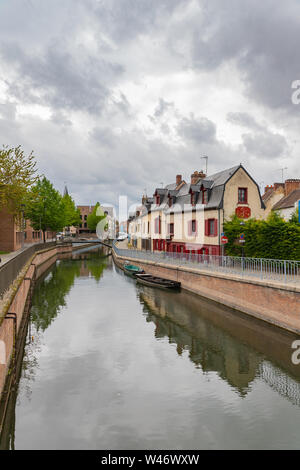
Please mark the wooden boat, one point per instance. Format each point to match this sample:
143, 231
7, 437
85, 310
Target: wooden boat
131, 269
154, 281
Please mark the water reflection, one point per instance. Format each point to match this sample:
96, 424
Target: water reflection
97, 374
220, 340
48, 300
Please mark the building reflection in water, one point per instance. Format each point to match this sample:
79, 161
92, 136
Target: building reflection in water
48, 300
237, 347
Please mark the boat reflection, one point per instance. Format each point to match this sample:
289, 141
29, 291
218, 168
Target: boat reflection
238, 348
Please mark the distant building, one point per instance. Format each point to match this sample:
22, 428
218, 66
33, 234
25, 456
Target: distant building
11, 235
83, 229
282, 198
14, 235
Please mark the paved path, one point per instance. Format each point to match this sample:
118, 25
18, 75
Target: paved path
7, 257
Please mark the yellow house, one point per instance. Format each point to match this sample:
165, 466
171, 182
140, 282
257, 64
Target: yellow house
188, 218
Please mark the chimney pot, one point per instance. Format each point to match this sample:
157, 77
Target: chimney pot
290, 185
178, 179
196, 176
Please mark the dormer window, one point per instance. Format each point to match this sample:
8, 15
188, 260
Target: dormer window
204, 196
157, 200
193, 199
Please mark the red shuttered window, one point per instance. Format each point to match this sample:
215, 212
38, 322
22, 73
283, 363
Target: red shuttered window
211, 227
192, 227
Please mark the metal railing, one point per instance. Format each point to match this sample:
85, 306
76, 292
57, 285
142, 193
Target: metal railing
268, 269
10, 270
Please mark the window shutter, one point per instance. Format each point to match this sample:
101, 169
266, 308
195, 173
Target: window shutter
207, 227
159, 225
216, 227
189, 227
196, 227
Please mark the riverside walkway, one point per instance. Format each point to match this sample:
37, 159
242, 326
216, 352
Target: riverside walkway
266, 289
278, 271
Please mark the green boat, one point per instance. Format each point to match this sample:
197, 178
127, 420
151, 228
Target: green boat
131, 269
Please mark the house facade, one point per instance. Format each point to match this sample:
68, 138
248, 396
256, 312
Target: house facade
83, 229
188, 217
14, 235
282, 198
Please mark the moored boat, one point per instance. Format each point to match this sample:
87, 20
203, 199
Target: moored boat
131, 269
154, 281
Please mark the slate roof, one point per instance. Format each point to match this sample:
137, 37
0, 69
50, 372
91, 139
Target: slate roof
288, 201
214, 183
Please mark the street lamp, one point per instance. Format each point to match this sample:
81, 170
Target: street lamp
242, 239
23, 206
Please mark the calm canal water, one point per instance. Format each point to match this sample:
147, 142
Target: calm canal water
109, 364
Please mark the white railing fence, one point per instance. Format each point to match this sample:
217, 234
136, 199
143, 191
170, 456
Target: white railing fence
273, 269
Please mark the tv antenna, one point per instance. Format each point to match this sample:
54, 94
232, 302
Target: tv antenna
282, 170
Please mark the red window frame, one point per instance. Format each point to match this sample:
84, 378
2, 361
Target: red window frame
211, 227
171, 228
192, 227
243, 191
157, 225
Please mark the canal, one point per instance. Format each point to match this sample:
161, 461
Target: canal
109, 364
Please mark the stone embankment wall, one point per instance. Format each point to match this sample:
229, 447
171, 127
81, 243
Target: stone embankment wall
278, 304
15, 308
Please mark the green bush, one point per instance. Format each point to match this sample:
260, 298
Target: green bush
272, 238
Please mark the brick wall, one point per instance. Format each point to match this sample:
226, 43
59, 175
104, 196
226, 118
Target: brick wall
279, 306
10, 238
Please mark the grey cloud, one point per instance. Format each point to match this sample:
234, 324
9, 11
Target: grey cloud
197, 129
244, 120
162, 107
265, 145
123, 20
8, 110
59, 79
67, 55
104, 136
263, 39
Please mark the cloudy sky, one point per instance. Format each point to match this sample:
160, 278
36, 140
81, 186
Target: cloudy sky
119, 96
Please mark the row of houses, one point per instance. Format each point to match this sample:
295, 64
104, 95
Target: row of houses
14, 234
185, 217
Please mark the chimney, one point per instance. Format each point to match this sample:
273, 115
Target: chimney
144, 199
268, 187
178, 179
290, 185
196, 176
278, 185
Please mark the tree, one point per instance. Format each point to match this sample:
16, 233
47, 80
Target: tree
95, 217
45, 207
71, 214
17, 175
272, 238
